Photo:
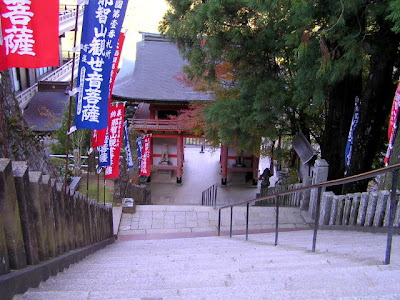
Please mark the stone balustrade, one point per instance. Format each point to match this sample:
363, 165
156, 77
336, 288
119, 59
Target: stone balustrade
39, 222
368, 209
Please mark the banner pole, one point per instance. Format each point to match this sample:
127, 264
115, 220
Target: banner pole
71, 97
98, 186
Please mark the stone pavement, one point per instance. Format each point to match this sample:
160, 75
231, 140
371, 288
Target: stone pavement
153, 221
200, 171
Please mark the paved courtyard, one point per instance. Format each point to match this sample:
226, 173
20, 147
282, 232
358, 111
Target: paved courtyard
202, 170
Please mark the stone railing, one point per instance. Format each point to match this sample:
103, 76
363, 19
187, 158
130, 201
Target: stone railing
60, 74
368, 209
294, 199
40, 224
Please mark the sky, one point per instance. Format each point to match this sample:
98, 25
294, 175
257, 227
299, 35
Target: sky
141, 15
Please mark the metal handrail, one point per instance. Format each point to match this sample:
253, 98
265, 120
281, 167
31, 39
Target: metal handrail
320, 186
209, 196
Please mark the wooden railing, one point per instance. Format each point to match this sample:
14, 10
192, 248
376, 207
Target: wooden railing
157, 124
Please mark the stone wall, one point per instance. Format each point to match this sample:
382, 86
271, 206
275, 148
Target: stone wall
38, 221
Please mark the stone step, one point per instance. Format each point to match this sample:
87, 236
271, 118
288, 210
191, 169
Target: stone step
298, 279
223, 268
249, 292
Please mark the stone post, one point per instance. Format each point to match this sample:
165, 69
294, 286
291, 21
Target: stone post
9, 213
35, 179
48, 214
64, 244
56, 213
305, 196
326, 206
320, 174
4, 262
26, 211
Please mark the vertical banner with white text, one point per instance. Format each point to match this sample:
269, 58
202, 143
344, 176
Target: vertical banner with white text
128, 152
146, 158
393, 123
350, 139
98, 135
115, 134
104, 152
29, 34
139, 145
102, 22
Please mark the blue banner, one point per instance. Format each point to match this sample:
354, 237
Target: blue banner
105, 153
350, 139
139, 150
128, 152
102, 22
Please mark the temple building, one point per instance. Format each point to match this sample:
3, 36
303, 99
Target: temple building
159, 94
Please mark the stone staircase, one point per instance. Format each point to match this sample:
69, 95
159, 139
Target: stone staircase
347, 265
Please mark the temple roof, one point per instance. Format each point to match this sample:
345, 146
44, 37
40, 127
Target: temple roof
158, 65
46, 109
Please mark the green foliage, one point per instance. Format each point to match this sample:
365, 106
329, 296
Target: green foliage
394, 8
286, 60
94, 192
79, 139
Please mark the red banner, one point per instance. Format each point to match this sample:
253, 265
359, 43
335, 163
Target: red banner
116, 132
29, 34
117, 56
99, 135
393, 123
145, 160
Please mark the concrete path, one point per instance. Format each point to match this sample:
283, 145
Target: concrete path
150, 221
202, 170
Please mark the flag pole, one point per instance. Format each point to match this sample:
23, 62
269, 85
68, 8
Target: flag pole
71, 97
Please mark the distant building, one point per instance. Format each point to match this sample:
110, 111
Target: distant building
154, 87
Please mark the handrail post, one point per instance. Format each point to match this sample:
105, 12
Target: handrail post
247, 222
276, 219
230, 230
215, 200
391, 216
316, 222
219, 222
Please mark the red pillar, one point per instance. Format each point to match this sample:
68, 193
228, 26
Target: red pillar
224, 164
179, 159
256, 161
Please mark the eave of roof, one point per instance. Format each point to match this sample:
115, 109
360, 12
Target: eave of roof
157, 67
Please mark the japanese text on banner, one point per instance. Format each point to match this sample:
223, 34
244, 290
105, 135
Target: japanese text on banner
102, 24
115, 134
22, 44
145, 159
128, 152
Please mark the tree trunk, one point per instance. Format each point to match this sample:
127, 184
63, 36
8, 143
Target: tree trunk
371, 132
337, 125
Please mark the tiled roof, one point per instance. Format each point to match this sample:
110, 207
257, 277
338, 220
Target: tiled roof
158, 63
45, 110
